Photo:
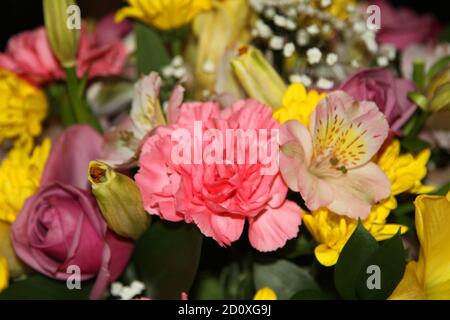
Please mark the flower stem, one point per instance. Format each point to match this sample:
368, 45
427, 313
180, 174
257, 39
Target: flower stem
80, 108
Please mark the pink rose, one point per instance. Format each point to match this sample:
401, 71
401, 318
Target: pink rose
29, 55
61, 224
219, 195
388, 92
402, 27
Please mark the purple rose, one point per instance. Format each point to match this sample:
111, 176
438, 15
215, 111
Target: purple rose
387, 91
61, 224
402, 27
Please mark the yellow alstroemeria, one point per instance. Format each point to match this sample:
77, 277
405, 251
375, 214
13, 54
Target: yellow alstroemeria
22, 108
4, 274
163, 14
429, 277
20, 175
298, 104
332, 231
265, 294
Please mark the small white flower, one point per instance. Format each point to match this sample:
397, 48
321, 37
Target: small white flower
325, 84
313, 55
326, 28
332, 58
302, 38
276, 43
116, 288
168, 71
350, 8
355, 63
257, 5
127, 293
292, 12
313, 29
382, 61
288, 49
263, 29
291, 25
389, 50
302, 79
270, 13
179, 72
209, 67
325, 3
279, 20
177, 61
137, 286
359, 27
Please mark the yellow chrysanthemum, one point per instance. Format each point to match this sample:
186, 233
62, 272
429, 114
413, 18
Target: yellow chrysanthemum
265, 294
22, 108
4, 274
332, 231
163, 14
20, 175
298, 104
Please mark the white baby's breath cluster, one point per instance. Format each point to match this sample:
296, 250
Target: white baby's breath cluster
127, 292
305, 30
176, 70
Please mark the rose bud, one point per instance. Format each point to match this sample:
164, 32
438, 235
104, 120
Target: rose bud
119, 200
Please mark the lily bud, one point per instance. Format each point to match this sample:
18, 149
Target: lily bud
258, 77
438, 91
62, 34
119, 200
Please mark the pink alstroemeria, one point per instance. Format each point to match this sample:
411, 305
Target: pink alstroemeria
329, 164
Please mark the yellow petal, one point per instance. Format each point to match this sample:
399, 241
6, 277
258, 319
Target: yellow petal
409, 287
433, 230
265, 294
326, 256
4, 274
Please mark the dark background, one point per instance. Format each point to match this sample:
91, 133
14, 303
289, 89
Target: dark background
19, 15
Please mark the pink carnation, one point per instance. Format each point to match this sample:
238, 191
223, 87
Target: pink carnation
219, 198
30, 56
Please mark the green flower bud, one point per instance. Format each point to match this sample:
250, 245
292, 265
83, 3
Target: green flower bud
62, 23
119, 200
438, 91
258, 77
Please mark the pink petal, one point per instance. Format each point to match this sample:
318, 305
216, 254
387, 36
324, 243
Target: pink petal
358, 190
70, 156
351, 131
227, 228
273, 227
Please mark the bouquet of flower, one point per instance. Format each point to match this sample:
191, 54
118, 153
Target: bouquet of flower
226, 149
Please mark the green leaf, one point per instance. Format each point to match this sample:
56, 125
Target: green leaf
236, 279
311, 295
208, 287
167, 258
151, 52
413, 144
38, 287
300, 246
442, 191
283, 277
390, 258
356, 251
